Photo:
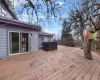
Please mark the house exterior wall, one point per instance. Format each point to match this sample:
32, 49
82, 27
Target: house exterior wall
34, 41
4, 12
4, 39
3, 43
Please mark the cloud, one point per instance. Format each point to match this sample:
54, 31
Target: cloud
48, 30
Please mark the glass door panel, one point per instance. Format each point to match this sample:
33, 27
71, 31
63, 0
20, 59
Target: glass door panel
24, 42
14, 42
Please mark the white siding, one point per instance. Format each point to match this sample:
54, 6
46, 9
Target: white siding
34, 41
3, 43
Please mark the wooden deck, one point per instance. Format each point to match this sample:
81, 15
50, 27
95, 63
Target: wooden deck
64, 64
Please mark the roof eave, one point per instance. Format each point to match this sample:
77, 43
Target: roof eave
45, 34
19, 24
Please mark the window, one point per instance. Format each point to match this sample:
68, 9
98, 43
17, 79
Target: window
49, 38
42, 38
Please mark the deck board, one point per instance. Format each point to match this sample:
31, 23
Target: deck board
66, 63
90, 72
84, 72
95, 76
77, 71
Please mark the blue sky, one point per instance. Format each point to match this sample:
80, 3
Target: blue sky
54, 26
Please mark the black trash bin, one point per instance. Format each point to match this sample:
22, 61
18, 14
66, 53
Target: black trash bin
52, 44
47, 46
55, 45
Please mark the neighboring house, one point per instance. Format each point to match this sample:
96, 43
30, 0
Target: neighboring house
45, 37
16, 36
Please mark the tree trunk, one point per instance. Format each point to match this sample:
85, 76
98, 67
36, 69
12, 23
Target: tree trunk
87, 49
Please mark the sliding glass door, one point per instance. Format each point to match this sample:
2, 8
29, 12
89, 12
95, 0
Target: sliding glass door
19, 42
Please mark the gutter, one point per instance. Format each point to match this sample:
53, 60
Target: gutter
19, 24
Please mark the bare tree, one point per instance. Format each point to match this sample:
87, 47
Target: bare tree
47, 9
80, 18
93, 15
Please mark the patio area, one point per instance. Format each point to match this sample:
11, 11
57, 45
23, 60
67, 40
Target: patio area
66, 63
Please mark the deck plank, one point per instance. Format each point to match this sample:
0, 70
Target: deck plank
84, 72
65, 69
90, 72
71, 74
78, 71
96, 74
99, 77
66, 63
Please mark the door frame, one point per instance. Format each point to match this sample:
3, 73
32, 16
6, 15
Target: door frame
19, 42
